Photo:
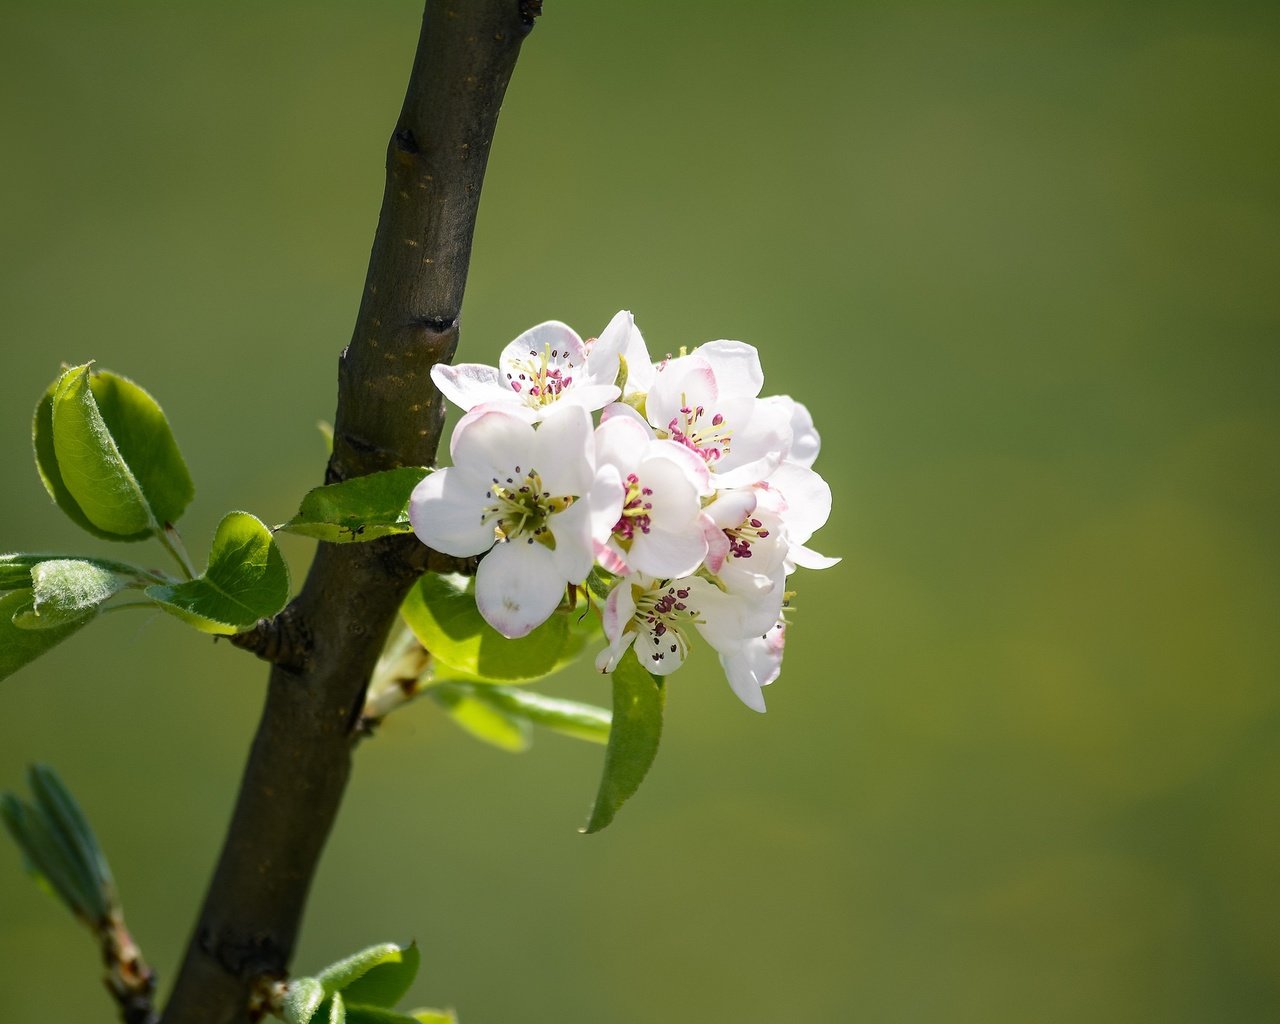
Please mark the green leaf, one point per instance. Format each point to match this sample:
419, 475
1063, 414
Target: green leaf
301, 1000
434, 1016
51, 474
441, 611
65, 590
397, 961
481, 719
386, 982
364, 508
107, 456
246, 580
15, 569
337, 1009
62, 811
361, 1014
145, 440
582, 721
638, 698
19, 646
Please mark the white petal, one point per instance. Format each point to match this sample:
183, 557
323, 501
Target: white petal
736, 366
621, 441
805, 442
602, 357
574, 554
551, 335
605, 501
564, 451
667, 553
639, 365
692, 383
761, 440
731, 507
623, 410
717, 544
492, 442
690, 462
446, 511
755, 664
807, 499
607, 660
720, 619
590, 396
471, 384
517, 587
661, 654
807, 558
675, 495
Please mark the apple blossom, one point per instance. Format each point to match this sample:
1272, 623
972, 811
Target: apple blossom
531, 498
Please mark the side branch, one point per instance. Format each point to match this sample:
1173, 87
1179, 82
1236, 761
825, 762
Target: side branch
388, 415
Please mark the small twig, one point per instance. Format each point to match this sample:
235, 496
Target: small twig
172, 541
128, 979
283, 640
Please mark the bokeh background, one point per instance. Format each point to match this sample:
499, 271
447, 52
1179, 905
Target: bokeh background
1020, 260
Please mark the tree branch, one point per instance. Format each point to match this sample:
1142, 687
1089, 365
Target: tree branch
388, 415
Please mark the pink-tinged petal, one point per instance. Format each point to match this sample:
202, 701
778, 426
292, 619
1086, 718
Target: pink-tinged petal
667, 553
492, 442
692, 384
471, 384
564, 451
731, 507
717, 544
736, 366
551, 336
574, 553
807, 499
807, 558
805, 442
517, 587
611, 558
693, 465
446, 510
619, 607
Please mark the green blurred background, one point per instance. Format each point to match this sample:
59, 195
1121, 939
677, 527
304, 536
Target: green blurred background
1020, 260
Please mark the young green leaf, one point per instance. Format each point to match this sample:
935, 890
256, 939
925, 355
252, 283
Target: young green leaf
65, 590
398, 966
19, 646
364, 508
441, 611
360, 1014
246, 580
481, 719
301, 1000
90, 462
107, 456
337, 1009
638, 698
582, 721
15, 569
386, 982
434, 1017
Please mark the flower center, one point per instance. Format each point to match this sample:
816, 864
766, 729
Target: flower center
541, 376
741, 537
636, 507
519, 507
665, 614
696, 430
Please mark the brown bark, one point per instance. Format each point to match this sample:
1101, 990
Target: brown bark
388, 415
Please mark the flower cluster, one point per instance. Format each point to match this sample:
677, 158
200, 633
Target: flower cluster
693, 496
